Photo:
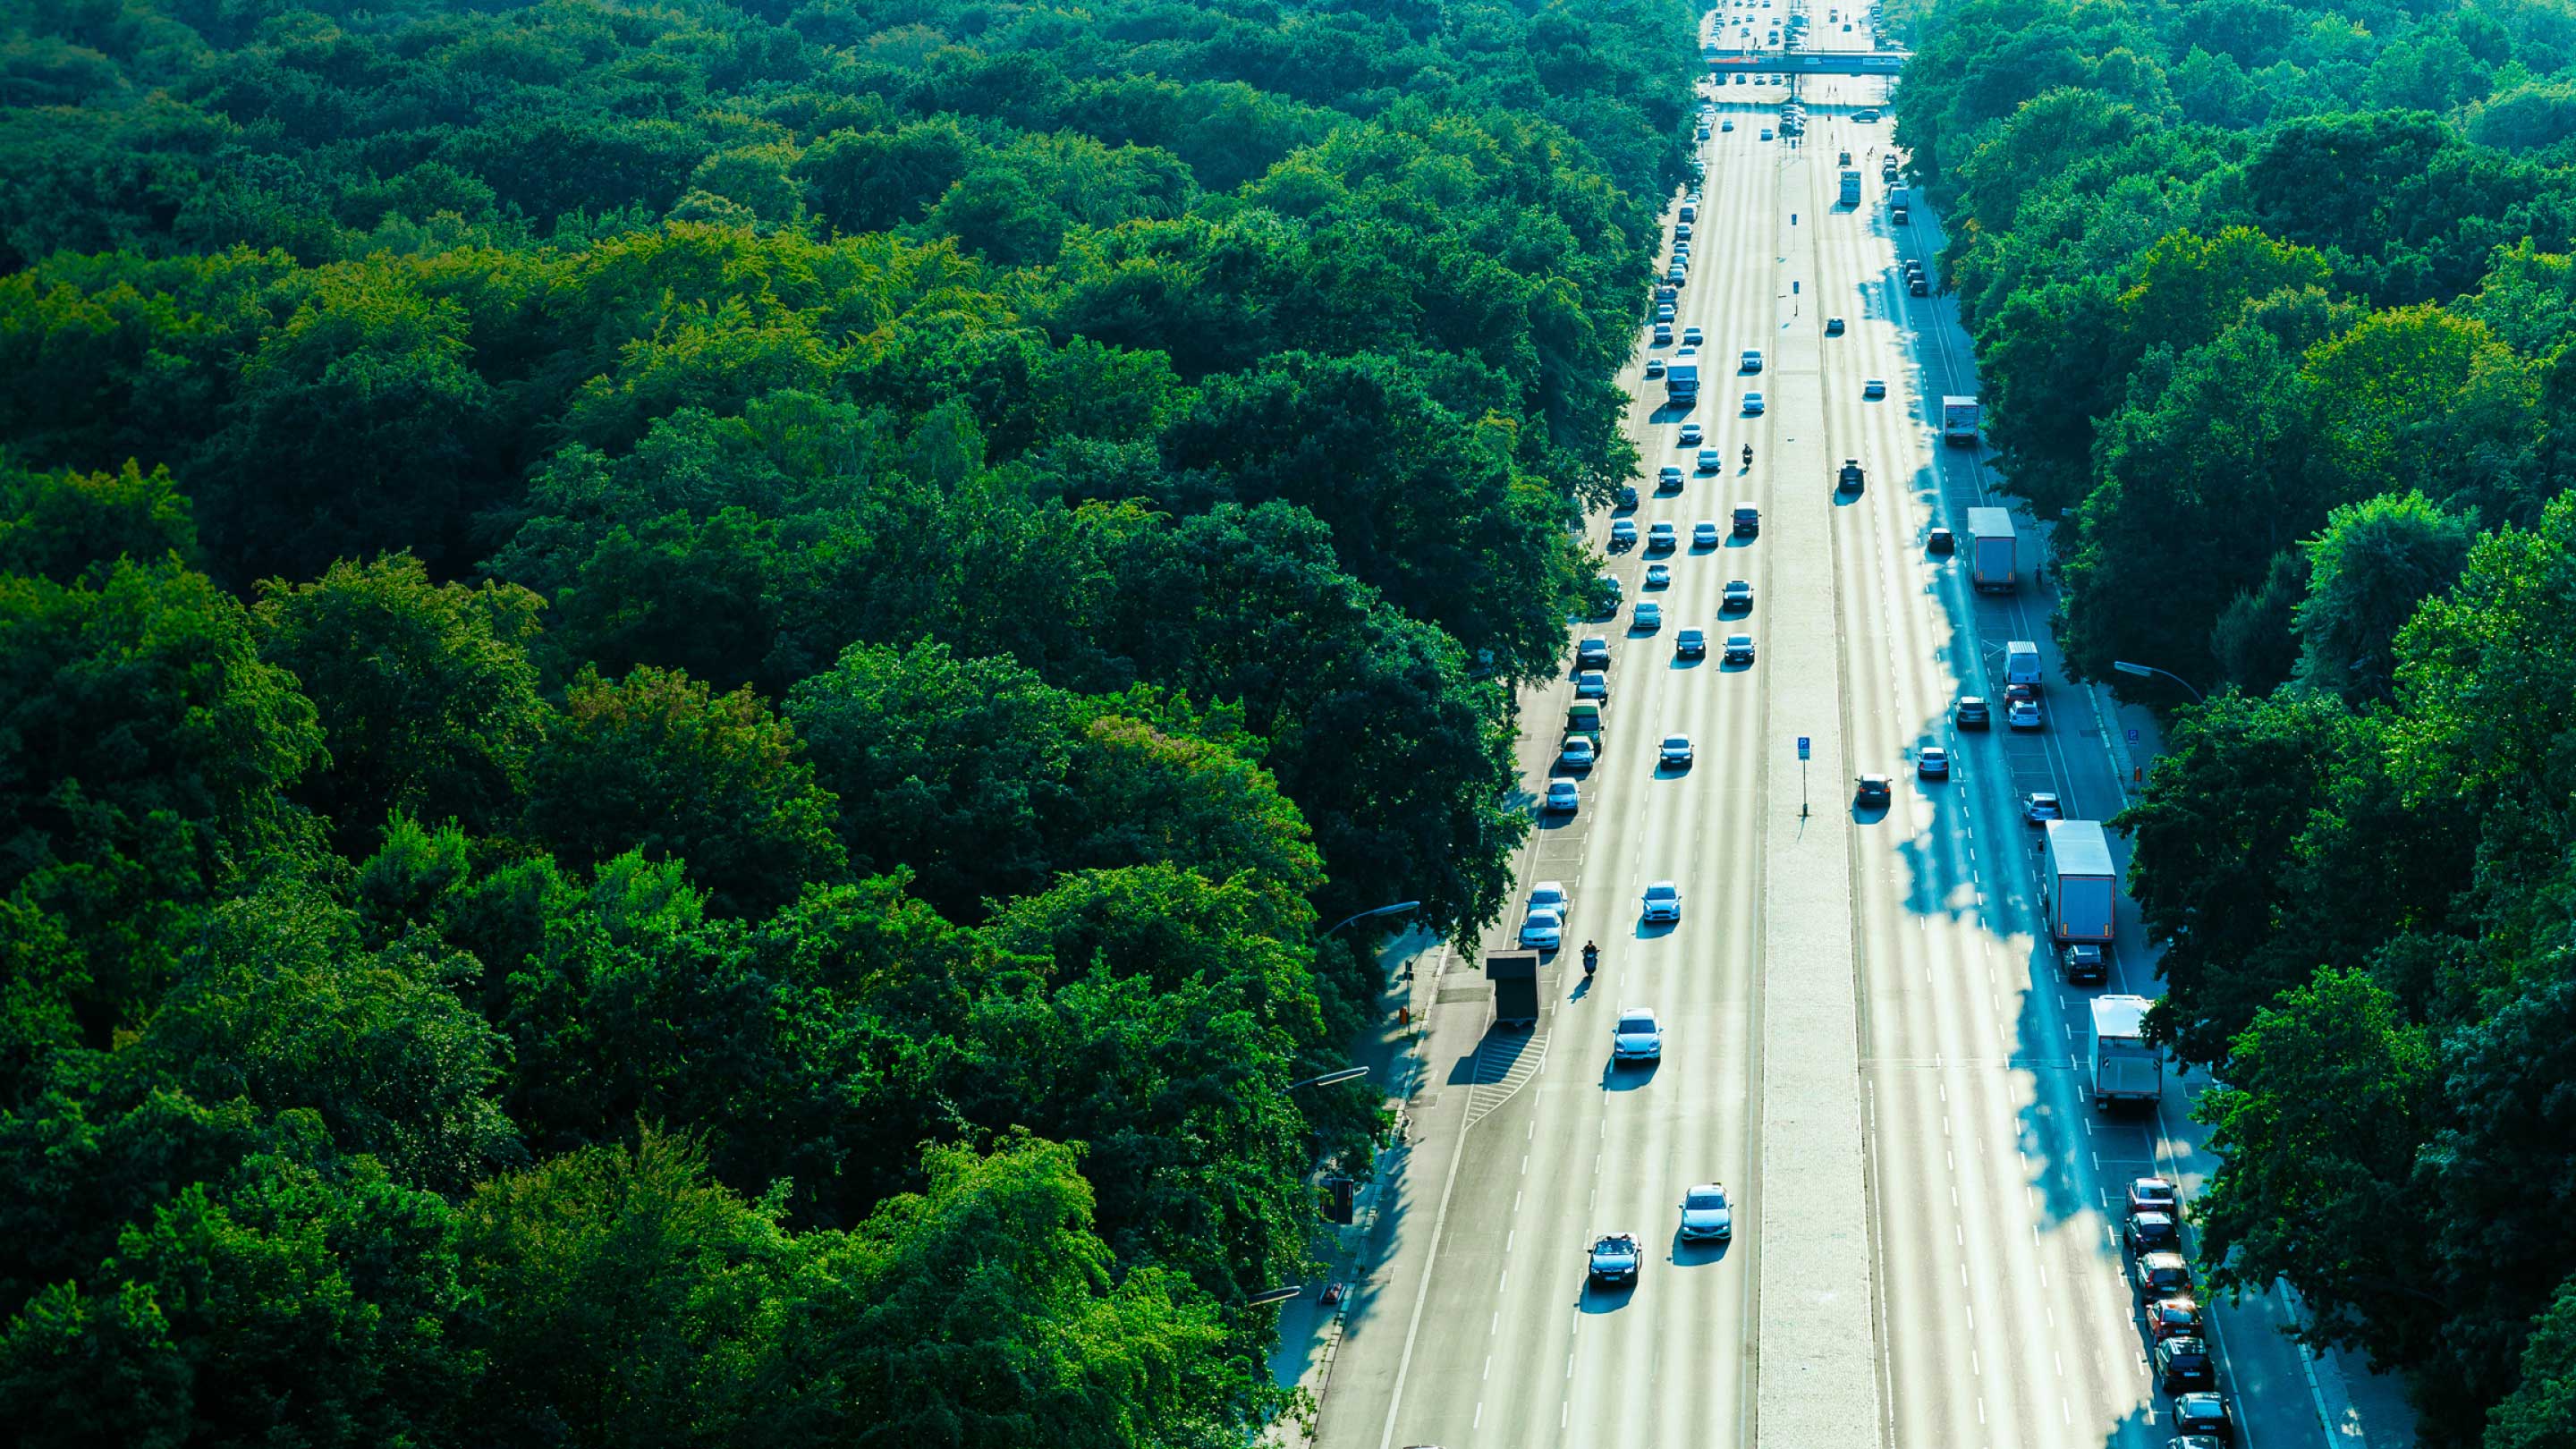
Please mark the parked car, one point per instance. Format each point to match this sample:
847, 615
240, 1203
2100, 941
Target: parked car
1941, 541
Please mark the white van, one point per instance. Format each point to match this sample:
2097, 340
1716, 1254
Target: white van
2021, 663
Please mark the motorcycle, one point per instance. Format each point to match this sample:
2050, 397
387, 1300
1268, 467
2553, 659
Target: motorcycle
1591, 959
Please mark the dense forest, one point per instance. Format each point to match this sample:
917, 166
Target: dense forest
685, 689
2273, 305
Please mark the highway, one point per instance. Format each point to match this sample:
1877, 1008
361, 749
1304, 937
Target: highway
1998, 1311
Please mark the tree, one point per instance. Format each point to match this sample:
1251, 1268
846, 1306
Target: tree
659, 763
427, 700
2541, 1411
2329, 1093
71, 527
2375, 561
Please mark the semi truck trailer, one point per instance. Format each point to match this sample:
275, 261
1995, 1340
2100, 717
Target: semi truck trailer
1991, 550
2125, 1066
2082, 886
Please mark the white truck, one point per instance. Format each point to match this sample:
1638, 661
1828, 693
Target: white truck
2082, 886
2022, 665
1681, 380
1992, 550
2126, 1066
1960, 418
1851, 188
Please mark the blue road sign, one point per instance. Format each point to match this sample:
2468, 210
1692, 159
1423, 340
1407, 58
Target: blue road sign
2133, 737
1802, 745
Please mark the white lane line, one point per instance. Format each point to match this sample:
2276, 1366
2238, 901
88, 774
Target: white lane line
1488, 1374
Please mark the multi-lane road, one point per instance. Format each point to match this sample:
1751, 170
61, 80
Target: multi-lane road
1864, 1040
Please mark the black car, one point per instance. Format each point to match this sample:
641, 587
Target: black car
2145, 1233
1615, 1257
1592, 653
2183, 1364
1627, 495
1974, 715
1941, 540
2083, 965
1874, 790
2204, 1413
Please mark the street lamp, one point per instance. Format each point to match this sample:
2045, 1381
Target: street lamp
1329, 1079
1399, 908
2149, 671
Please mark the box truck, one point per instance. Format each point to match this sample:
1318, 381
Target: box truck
1959, 419
2082, 887
1851, 188
1681, 380
1991, 550
2125, 1068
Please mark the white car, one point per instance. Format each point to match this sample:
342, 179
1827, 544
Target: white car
1543, 930
1706, 1214
1676, 752
1750, 361
1549, 895
1659, 576
1562, 797
1638, 1037
1579, 753
1690, 434
1703, 534
1646, 617
2022, 714
1663, 901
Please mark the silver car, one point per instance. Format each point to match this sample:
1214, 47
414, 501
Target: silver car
1638, 1037
1707, 1216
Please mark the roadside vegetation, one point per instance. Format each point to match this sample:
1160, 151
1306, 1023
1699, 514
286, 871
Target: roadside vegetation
2273, 305
682, 687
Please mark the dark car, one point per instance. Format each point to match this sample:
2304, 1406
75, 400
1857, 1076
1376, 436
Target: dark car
2154, 1195
1592, 653
1874, 790
2083, 965
2204, 1413
1690, 644
2163, 1275
1615, 1257
1973, 714
1940, 540
2173, 1318
2184, 1363
1668, 479
1932, 763
2145, 1233
1627, 495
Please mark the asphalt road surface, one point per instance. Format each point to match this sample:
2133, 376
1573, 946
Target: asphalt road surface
1989, 1303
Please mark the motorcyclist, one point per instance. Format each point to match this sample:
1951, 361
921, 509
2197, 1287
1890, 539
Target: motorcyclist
1591, 957
1748, 455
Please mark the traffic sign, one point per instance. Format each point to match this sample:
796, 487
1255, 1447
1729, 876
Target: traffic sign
1802, 745
2133, 737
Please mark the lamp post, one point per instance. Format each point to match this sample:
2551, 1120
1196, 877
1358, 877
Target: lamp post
1328, 1079
1276, 1295
1399, 908
2149, 671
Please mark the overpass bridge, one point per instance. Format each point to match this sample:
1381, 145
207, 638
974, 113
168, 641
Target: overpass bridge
1804, 62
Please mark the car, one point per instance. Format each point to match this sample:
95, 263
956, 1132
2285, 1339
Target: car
1941, 541
1690, 434
1690, 337
1660, 538
1875, 387
1623, 534
1615, 1257
1748, 520
1874, 790
1627, 495
1738, 596
1637, 1037
1676, 274
1675, 755
1730, 125
1690, 644
1932, 763
1739, 648
2145, 1233
1591, 684
2163, 1275
2022, 714
1663, 334
1592, 652
1550, 895
1753, 404
1668, 479
2014, 692
2204, 1412
2184, 1363
2173, 1318
1646, 617
1972, 714
2082, 964
1917, 287
2039, 807
1659, 576
1578, 753
1710, 460
1703, 534
1833, 327
1654, 367
2154, 1195
1706, 1214
1750, 362
1543, 930
1562, 798
1865, 117
1663, 899
1766, 133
